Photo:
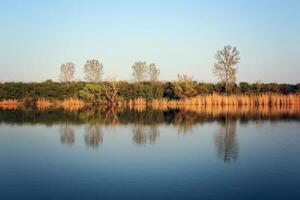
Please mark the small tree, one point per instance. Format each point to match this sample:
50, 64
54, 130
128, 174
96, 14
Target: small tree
245, 87
224, 67
257, 86
91, 92
139, 71
67, 72
184, 87
93, 70
153, 72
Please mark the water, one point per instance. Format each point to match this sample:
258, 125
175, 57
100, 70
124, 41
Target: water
149, 154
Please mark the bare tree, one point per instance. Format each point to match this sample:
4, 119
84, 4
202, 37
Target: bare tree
93, 70
67, 72
111, 89
153, 72
224, 67
139, 71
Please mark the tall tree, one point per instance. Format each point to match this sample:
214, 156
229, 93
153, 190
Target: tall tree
224, 67
139, 71
93, 70
153, 72
67, 72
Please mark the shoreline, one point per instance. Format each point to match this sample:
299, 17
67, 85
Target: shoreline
253, 100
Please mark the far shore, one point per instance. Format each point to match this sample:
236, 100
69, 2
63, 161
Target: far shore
215, 99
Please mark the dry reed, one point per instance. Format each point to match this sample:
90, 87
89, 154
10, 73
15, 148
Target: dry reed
218, 99
9, 104
267, 100
43, 104
71, 104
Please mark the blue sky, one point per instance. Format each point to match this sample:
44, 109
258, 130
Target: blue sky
36, 37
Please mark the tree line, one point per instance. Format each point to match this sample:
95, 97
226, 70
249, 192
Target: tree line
126, 91
93, 71
145, 83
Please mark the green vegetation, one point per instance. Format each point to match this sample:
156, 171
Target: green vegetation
148, 90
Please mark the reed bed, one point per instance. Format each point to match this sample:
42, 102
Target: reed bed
261, 110
218, 99
43, 104
138, 104
9, 104
267, 100
71, 104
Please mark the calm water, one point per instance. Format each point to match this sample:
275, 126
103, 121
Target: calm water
127, 154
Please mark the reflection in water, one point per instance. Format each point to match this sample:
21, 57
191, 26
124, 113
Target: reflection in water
141, 134
93, 136
146, 122
225, 140
154, 133
67, 134
185, 121
111, 116
184, 118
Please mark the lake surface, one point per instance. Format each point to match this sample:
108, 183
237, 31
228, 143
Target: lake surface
150, 154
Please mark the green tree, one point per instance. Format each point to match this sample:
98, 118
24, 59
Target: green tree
91, 92
184, 87
245, 87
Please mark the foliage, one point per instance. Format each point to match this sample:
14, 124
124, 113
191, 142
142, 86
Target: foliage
184, 87
91, 92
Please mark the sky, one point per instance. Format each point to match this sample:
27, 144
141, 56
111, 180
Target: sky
181, 36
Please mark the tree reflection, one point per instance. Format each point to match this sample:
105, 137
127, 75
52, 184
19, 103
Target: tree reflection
93, 136
141, 134
225, 140
153, 133
67, 134
111, 117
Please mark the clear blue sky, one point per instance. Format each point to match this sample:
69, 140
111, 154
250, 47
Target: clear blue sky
179, 36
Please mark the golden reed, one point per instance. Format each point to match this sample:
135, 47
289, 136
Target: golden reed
220, 100
43, 104
272, 100
9, 104
247, 110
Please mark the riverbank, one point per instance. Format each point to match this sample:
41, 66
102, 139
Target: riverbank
215, 99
